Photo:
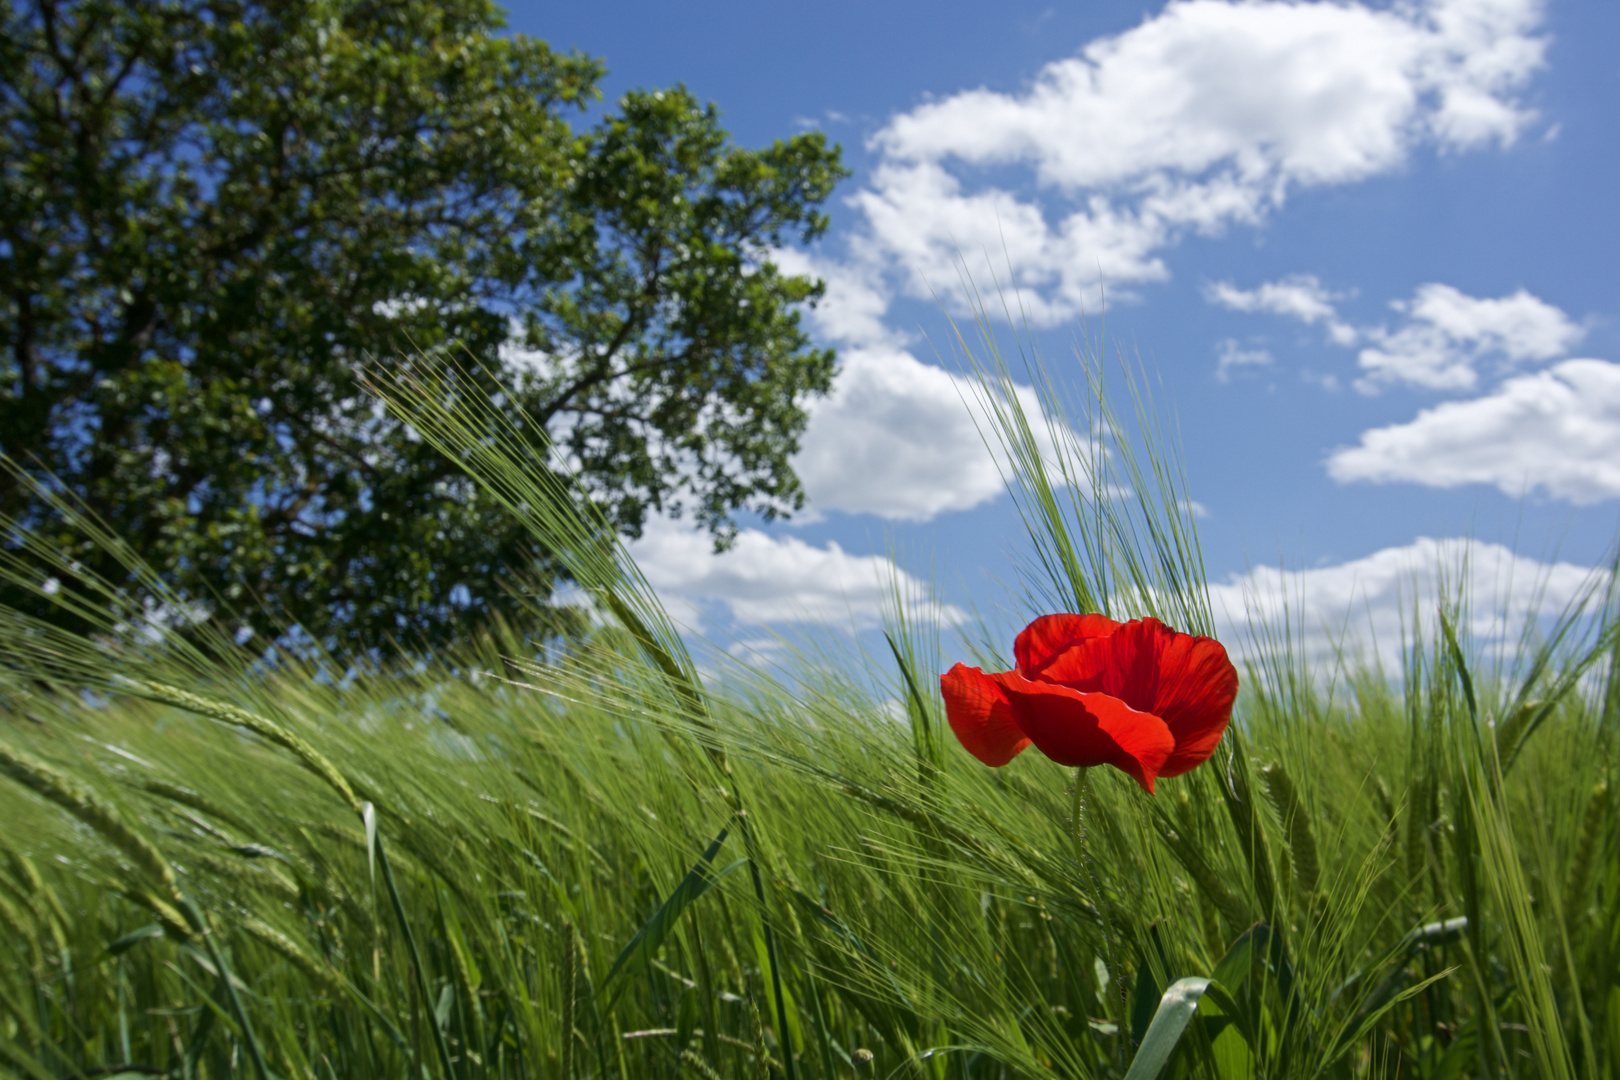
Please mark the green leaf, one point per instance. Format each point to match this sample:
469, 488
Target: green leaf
1176, 1009
441, 1011
1229, 1048
788, 1007
134, 938
1144, 1002
1458, 1056
1233, 970
1450, 634
644, 945
686, 1019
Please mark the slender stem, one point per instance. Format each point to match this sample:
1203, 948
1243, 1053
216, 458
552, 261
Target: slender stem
789, 1067
1077, 821
200, 924
1081, 855
416, 959
569, 989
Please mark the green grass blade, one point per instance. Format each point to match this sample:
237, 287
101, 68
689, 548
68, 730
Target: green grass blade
641, 948
1175, 1012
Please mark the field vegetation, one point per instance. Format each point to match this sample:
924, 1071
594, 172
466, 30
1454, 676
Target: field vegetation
603, 859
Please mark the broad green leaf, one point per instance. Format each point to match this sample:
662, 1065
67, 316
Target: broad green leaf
1458, 1056
1229, 1049
1176, 1009
686, 1019
441, 1011
790, 1008
1144, 1002
1233, 970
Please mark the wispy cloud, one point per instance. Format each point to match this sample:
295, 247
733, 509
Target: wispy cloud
1233, 358
1446, 340
1299, 296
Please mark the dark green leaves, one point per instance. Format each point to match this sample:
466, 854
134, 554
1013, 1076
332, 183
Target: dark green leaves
210, 222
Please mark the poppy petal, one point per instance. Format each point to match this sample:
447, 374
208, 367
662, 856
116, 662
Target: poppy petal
1074, 728
1197, 685
1186, 680
1050, 636
980, 715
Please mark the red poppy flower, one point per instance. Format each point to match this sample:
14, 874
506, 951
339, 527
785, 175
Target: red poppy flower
1091, 691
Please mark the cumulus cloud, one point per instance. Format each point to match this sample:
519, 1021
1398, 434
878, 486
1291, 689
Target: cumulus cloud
768, 579
1298, 296
1363, 609
937, 234
1556, 431
1233, 357
903, 440
1448, 334
853, 309
1201, 117
897, 437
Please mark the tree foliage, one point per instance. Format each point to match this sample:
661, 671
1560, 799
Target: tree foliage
215, 213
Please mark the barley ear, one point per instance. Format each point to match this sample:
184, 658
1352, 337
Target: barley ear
762, 1056
1297, 823
90, 809
1580, 869
226, 713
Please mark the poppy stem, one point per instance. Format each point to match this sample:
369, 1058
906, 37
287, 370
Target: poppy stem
1081, 855
1077, 819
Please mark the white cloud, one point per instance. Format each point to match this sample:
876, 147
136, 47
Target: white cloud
1557, 430
1446, 338
767, 579
853, 308
760, 653
1367, 605
897, 438
1448, 334
1298, 296
1203, 116
921, 219
1234, 357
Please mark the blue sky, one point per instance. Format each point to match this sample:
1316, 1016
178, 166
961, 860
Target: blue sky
1372, 251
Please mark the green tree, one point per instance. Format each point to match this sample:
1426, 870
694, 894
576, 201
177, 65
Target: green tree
214, 213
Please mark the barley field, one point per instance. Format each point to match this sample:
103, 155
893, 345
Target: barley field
619, 857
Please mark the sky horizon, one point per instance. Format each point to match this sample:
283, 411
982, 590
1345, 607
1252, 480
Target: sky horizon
1368, 249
